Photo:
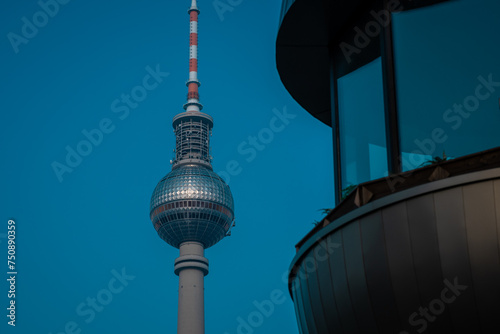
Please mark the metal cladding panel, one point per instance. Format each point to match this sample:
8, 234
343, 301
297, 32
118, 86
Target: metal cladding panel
341, 287
314, 292
309, 323
437, 251
400, 261
452, 236
427, 263
299, 311
378, 277
358, 288
496, 186
328, 301
480, 212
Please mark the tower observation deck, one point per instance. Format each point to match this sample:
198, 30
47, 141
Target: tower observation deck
192, 207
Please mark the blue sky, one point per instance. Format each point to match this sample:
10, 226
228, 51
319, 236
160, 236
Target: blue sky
77, 237
86, 234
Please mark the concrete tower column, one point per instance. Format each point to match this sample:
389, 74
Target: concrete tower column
191, 266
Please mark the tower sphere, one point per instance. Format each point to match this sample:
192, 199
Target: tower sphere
192, 203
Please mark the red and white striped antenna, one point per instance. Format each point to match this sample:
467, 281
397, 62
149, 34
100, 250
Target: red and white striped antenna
193, 99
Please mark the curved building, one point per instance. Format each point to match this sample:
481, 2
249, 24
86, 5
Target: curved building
411, 90
192, 207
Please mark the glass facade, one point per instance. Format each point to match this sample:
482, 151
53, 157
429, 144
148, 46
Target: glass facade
447, 61
362, 126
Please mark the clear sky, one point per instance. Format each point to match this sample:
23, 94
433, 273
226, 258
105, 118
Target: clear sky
88, 257
77, 232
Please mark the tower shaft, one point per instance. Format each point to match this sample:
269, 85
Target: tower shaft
191, 266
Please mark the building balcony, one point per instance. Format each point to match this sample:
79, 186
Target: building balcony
403, 84
411, 253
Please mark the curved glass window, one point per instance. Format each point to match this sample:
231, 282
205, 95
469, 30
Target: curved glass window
362, 125
447, 60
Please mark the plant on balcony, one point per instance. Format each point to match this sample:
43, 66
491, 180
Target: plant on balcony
323, 211
435, 160
347, 190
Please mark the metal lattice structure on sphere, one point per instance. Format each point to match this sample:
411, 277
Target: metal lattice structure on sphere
192, 203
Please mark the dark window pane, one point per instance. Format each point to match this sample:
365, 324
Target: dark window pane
445, 55
362, 125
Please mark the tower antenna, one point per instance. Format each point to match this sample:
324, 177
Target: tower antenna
193, 99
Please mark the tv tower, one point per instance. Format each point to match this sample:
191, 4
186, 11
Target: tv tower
192, 207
